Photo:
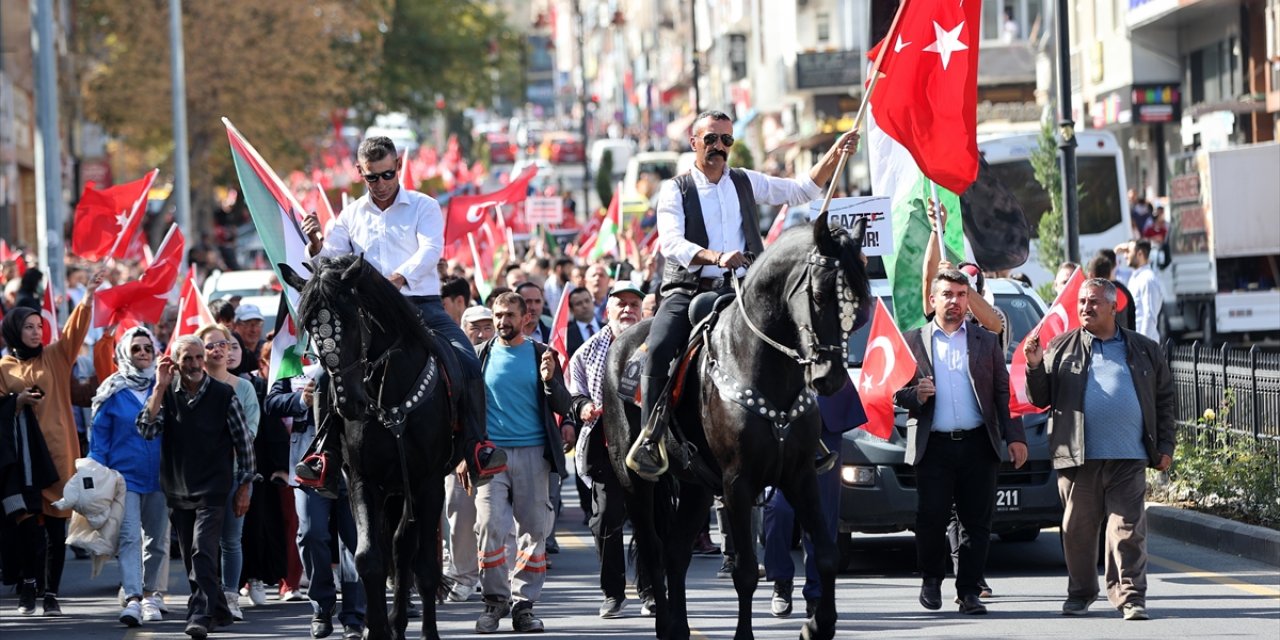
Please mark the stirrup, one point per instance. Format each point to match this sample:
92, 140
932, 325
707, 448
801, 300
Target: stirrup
494, 462
648, 459
826, 460
313, 472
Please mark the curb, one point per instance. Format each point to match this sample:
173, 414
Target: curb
1220, 534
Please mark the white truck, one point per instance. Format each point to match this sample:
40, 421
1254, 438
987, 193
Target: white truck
1221, 262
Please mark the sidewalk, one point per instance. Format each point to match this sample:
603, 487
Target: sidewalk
1220, 534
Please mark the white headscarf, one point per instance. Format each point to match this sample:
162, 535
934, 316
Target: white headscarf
127, 376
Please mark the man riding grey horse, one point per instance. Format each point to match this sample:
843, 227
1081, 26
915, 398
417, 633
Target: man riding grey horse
708, 231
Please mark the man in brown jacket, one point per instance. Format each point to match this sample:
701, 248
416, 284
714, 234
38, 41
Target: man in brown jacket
1112, 403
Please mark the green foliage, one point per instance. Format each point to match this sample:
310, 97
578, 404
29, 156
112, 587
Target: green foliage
740, 156
604, 178
1225, 471
1048, 172
1045, 290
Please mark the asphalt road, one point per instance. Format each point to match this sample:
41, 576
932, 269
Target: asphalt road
1193, 593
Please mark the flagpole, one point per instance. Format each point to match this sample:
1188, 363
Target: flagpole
139, 206
865, 104
937, 220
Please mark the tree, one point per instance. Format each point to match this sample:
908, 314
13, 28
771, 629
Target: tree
604, 178
740, 156
1048, 172
276, 69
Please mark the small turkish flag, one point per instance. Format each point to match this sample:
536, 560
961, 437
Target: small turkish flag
886, 367
193, 313
106, 220
560, 330
49, 318
467, 213
144, 300
1063, 316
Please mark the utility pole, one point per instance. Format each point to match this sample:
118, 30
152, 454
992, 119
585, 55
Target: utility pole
178, 78
48, 151
1067, 137
697, 67
584, 98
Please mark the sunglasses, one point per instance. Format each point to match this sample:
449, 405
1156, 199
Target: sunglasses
724, 138
140, 348
221, 344
371, 178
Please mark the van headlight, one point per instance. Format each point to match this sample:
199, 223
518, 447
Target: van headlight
858, 476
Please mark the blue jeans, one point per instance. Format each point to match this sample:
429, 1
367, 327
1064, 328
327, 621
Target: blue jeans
314, 513
438, 320
779, 518
144, 544
232, 551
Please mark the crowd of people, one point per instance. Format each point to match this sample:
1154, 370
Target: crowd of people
242, 472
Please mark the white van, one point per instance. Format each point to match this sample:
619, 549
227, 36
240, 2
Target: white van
621, 149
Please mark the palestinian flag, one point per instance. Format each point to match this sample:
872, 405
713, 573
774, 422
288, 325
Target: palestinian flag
286, 351
278, 219
607, 238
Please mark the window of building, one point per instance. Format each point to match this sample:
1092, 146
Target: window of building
1011, 20
823, 24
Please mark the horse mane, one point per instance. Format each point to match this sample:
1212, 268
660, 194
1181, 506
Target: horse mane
375, 294
792, 248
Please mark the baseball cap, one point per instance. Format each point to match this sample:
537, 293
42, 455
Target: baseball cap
247, 312
625, 286
475, 314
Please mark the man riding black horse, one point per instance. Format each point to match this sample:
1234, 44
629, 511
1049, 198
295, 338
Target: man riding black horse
708, 230
400, 233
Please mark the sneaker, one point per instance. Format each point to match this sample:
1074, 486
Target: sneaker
494, 611
459, 592
257, 593
233, 603
150, 612
780, 605
648, 606
197, 630
352, 632
726, 569
51, 608
291, 595
131, 616
1075, 607
27, 599
1134, 611
523, 619
612, 607
156, 598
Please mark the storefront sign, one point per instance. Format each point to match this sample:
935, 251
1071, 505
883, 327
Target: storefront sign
1156, 102
829, 69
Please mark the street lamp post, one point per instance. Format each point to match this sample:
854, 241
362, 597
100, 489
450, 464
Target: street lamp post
48, 147
178, 77
583, 99
1067, 137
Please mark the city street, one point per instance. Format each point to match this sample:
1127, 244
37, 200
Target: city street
1194, 593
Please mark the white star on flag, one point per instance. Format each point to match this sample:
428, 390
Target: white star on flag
866, 383
947, 43
122, 219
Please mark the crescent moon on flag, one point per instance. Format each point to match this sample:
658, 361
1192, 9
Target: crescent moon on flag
1058, 311
883, 343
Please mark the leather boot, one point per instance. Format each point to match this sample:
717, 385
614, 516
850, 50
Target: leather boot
648, 456
484, 459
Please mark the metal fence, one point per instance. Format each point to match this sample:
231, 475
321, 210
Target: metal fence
1202, 374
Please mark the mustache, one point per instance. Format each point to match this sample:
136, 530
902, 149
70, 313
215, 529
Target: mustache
722, 154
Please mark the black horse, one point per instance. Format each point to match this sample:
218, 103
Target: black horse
387, 389
749, 414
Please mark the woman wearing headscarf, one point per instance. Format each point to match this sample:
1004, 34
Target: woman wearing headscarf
44, 374
116, 444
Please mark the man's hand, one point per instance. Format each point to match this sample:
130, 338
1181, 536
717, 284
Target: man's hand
933, 211
308, 392
311, 227
1033, 350
241, 506
165, 370
1018, 454
847, 145
1166, 462
463, 476
29, 398
398, 280
589, 412
925, 390
731, 260
567, 434
547, 368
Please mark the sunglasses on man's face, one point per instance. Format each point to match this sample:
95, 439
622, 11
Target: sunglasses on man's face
221, 344
724, 138
142, 348
389, 174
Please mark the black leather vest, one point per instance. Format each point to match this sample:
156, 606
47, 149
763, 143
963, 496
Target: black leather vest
676, 278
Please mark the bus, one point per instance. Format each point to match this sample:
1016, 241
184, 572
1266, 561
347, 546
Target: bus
1104, 211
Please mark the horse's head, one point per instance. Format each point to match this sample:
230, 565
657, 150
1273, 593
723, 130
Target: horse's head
837, 285
330, 311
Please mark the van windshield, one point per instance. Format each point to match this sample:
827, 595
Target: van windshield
1100, 206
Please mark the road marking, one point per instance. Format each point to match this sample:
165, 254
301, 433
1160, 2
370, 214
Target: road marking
1247, 587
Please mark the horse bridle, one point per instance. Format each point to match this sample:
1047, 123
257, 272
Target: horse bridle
327, 329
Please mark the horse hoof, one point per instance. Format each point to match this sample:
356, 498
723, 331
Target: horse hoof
810, 631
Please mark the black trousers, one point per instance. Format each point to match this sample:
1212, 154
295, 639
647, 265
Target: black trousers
668, 335
959, 474
199, 534
608, 517
39, 547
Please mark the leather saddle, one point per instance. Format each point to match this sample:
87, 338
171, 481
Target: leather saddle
704, 310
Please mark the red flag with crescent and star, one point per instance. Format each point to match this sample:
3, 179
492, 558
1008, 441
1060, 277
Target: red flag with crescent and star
49, 328
926, 98
468, 213
886, 366
1063, 316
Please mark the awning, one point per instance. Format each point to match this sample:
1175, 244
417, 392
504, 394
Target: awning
740, 127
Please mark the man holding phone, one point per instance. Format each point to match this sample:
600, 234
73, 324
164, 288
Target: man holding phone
959, 416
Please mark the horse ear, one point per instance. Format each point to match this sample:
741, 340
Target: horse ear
291, 277
822, 237
354, 270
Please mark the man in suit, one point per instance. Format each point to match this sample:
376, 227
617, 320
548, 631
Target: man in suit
959, 416
584, 323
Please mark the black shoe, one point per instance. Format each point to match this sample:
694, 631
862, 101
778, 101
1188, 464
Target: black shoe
318, 473
553, 546
27, 599
931, 594
352, 632
51, 608
780, 604
726, 569
810, 607
197, 630
321, 627
413, 610
971, 605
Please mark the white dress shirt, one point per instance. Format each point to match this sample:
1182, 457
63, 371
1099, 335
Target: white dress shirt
721, 213
407, 238
1148, 298
955, 407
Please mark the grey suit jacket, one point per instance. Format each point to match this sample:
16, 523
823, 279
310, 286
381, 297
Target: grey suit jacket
990, 381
